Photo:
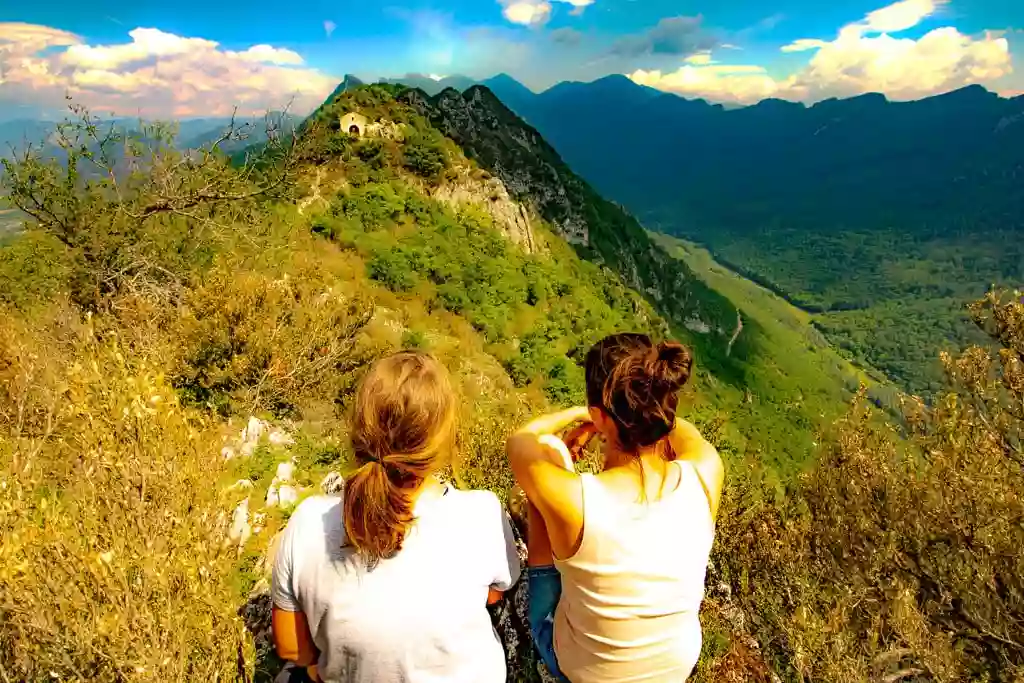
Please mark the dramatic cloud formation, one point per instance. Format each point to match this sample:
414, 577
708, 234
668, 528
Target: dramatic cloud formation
862, 58
672, 36
718, 83
537, 12
156, 74
29, 38
902, 68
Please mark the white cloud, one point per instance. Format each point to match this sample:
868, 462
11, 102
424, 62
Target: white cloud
537, 12
146, 42
700, 59
804, 44
33, 38
156, 74
265, 54
528, 12
730, 83
901, 15
862, 58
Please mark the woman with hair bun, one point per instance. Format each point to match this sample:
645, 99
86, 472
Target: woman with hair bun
617, 560
389, 583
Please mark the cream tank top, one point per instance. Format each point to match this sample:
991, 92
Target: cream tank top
632, 592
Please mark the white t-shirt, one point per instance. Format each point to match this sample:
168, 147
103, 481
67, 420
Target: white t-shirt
418, 617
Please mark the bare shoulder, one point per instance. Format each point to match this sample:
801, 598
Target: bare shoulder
712, 467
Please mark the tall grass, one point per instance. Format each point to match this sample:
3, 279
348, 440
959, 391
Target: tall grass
111, 566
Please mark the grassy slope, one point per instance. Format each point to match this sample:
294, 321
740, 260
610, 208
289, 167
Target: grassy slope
9, 220
796, 380
884, 296
772, 409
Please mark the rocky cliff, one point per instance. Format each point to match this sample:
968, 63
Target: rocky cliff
601, 231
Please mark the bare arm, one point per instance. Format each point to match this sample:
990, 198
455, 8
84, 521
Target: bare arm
548, 481
292, 638
690, 446
554, 423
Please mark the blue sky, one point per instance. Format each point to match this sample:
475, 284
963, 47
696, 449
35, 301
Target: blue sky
196, 57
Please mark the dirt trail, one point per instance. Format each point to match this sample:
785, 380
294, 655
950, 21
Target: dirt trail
316, 196
736, 334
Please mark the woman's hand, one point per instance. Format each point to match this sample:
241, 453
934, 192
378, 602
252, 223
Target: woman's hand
577, 438
555, 423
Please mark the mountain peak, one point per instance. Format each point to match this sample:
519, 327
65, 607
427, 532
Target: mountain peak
616, 78
350, 82
503, 78
860, 104
969, 93
431, 85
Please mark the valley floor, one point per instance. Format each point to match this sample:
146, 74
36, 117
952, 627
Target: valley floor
796, 381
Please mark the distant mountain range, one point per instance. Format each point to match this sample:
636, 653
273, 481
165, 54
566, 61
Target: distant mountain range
880, 218
877, 217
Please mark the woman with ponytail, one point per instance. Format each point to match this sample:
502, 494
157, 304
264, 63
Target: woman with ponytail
617, 560
389, 583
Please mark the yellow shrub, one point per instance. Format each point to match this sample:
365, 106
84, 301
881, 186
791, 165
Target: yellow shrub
111, 565
267, 344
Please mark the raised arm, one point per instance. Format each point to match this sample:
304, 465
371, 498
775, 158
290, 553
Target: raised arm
553, 423
543, 468
689, 445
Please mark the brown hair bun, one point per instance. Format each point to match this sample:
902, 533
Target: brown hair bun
672, 365
636, 383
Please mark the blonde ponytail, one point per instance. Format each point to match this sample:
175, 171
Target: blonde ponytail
403, 430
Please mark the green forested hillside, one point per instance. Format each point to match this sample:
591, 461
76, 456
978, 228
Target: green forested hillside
886, 217
608, 243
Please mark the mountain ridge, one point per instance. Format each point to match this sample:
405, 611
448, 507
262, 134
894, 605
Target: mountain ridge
922, 200
733, 370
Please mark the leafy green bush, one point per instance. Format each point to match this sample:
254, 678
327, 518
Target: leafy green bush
393, 269
538, 313
424, 157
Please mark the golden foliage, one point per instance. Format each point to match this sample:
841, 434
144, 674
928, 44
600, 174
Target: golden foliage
900, 556
111, 565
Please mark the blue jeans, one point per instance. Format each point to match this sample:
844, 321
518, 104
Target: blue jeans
545, 585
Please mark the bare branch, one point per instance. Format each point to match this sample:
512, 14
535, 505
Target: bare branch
901, 674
